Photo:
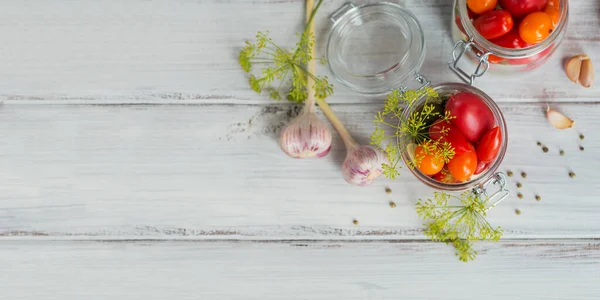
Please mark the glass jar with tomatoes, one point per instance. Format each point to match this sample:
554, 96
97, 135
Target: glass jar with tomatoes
473, 127
507, 35
378, 49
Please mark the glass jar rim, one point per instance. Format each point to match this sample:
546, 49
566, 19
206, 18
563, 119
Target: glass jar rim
379, 83
510, 52
501, 122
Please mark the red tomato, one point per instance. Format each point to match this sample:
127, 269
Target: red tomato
519, 8
535, 27
510, 40
451, 135
460, 25
473, 117
428, 164
531, 59
489, 145
472, 15
481, 166
463, 165
481, 6
493, 59
514, 40
444, 176
494, 24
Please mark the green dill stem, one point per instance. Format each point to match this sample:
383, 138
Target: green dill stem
261, 59
269, 51
390, 125
277, 48
396, 163
307, 72
282, 80
457, 222
310, 12
387, 137
254, 62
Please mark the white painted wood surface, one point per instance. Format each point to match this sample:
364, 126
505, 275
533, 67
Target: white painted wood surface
202, 171
124, 121
186, 50
297, 270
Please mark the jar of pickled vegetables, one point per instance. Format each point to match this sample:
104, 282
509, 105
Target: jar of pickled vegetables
378, 49
476, 131
506, 35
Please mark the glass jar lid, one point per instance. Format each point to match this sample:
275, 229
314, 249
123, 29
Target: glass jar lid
374, 48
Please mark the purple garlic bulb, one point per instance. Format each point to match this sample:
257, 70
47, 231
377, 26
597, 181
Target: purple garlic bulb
306, 136
363, 164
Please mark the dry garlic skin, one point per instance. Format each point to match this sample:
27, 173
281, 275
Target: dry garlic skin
306, 136
558, 120
580, 69
363, 164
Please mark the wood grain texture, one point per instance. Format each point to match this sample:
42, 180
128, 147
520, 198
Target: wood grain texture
164, 51
173, 184
215, 172
297, 270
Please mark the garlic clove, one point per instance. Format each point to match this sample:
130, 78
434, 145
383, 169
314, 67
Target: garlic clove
558, 120
306, 136
573, 67
587, 75
363, 164
580, 69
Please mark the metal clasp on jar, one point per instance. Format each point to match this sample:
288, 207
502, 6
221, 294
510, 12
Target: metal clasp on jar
460, 48
420, 79
498, 181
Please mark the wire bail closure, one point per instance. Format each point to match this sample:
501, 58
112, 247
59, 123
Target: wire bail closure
460, 48
420, 79
499, 180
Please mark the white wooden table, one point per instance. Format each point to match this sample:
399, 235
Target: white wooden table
136, 163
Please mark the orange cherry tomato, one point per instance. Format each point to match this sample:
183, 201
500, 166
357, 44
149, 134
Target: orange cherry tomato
463, 165
535, 27
554, 14
481, 6
554, 3
428, 164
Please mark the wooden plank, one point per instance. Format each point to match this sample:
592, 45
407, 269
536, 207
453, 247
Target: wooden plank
165, 51
215, 172
291, 270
